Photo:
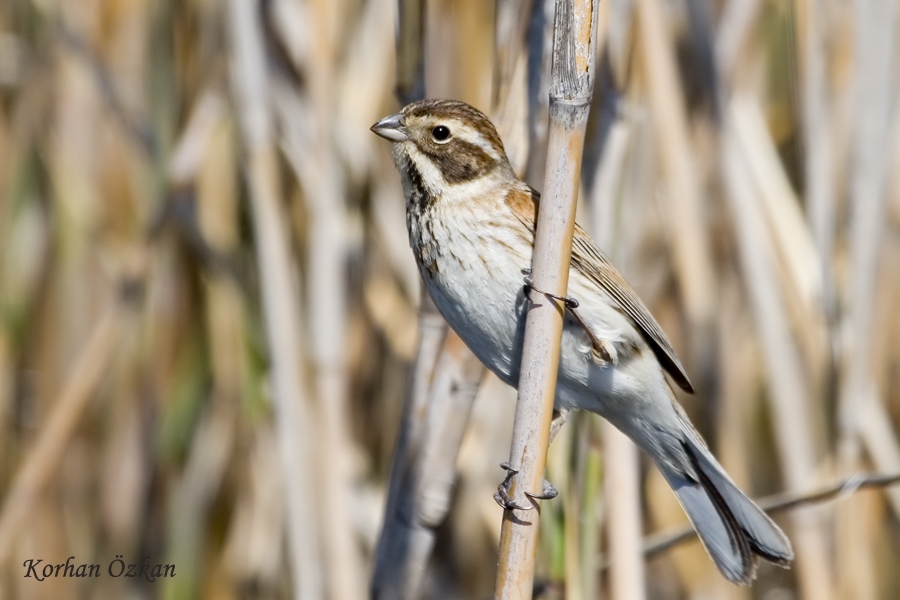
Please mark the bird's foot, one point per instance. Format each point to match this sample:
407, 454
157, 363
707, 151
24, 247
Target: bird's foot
506, 501
602, 350
502, 496
570, 302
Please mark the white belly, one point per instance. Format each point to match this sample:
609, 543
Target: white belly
476, 282
480, 294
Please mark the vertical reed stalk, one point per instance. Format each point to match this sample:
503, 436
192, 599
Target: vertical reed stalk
279, 297
570, 93
421, 499
621, 461
860, 411
327, 293
692, 258
818, 144
622, 481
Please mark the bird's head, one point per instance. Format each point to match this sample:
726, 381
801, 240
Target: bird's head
447, 142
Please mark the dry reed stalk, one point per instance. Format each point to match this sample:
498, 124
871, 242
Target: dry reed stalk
560, 532
327, 309
193, 494
509, 104
789, 397
510, 28
426, 484
204, 157
410, 435
6, 388
279, 297
620, 33
861, 411
735, 26
684, 199
818, 143
217, 207
430, 438
622, 480
362, 86
49, 449
795, 246
540, 52
876, 418
410, 50
259, 515
435, 417
405, 543
591, 507
737, 447
610, 169
621, 463
76, 195
570, 92
458, 374
862, 418
798, 266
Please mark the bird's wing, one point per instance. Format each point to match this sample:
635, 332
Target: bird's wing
589, 260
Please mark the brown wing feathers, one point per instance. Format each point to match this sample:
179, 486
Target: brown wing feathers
590, 261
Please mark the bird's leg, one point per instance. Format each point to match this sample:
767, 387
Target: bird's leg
570, 302
548, 492
602, 350
559, 419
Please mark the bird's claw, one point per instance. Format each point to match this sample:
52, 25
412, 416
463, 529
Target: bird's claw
547, 493
602, 350
570, 302
502, 496
506, 502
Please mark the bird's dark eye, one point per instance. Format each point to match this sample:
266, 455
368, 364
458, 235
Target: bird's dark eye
440, 133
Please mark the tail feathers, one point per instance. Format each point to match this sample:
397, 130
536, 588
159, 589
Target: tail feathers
765, 537
731, 527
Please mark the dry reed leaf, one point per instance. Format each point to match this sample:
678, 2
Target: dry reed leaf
192, 147
782, 207
790, 404
798, 262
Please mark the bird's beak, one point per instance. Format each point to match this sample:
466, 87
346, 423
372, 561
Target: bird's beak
391, 128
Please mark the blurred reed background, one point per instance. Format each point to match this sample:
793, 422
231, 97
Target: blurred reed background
208, 309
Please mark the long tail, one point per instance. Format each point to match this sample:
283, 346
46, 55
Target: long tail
733, 529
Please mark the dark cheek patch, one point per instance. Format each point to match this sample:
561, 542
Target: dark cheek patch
460, 161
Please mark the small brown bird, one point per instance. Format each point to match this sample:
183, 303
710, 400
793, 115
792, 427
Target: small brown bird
471, 225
